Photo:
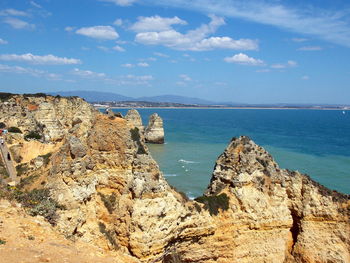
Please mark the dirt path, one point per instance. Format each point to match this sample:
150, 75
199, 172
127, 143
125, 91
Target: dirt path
11, 170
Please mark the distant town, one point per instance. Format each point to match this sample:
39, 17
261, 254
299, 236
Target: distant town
148, 104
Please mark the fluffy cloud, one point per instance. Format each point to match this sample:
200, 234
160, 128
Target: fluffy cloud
185, 77
29, 71
156, 23
140, 64
304, 18
3, 42
243, 59
43, 60
118, 48
120, 2
118, 22
87, 74
143, 64
305, 77
18, 23
12, 12
310, 48
69, 28
289, 64
98, 32
194, 40
128, 65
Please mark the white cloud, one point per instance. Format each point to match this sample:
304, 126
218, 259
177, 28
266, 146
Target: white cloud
120, 2
118, 22
99, 32
195, 40
305, 77
289, 64
299, 40
35, 4
310, 48
265, 70
143, 64
140, 78
69, 28
3, 42
29, 71
43, 60
18, 23
87, 73
158, 54
156, 24
12, 12
118, 48
103, 48
185, 77
128, 65
243, 59
333, 26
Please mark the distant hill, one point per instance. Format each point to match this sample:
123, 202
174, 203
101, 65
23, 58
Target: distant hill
97, 96
93, 96
176, 99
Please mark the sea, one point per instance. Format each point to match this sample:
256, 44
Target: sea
314, 142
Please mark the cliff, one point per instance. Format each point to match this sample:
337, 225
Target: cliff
103, 188
154, 133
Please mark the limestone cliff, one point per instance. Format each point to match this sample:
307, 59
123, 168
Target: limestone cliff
133, 116
112, 194
154, 133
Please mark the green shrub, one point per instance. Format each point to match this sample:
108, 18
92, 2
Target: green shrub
32, 135
27, 180
14, 130
39, 202
22, 169
2, 242
5, 96
214, 203
46, 158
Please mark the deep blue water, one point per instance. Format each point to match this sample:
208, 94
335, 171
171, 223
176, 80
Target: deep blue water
316, 142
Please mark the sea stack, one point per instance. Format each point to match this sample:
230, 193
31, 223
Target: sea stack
154, 132
134, 118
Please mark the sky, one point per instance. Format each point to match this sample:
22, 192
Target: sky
242, 51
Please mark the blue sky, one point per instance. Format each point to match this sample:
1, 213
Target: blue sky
248, 51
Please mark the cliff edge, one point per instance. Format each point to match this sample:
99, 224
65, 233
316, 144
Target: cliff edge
93, 178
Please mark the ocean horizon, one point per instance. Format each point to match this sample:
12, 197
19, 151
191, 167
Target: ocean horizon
314, 142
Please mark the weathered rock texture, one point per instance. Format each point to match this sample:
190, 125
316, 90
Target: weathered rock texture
115, 197
133, 116
154, 132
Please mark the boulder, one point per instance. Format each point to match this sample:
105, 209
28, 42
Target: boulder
154, 132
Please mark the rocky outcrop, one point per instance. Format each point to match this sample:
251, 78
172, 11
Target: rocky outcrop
113, 195
133, 116
154, 132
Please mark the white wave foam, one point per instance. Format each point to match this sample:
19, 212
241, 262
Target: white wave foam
185, 161
170, 175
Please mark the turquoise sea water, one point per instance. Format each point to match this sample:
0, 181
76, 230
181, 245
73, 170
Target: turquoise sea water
316, 142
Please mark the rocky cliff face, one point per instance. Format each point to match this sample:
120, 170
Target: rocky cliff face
113, 195
154, 132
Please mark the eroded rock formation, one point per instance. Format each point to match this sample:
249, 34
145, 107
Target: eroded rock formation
133, 116
113, 195
154, 132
